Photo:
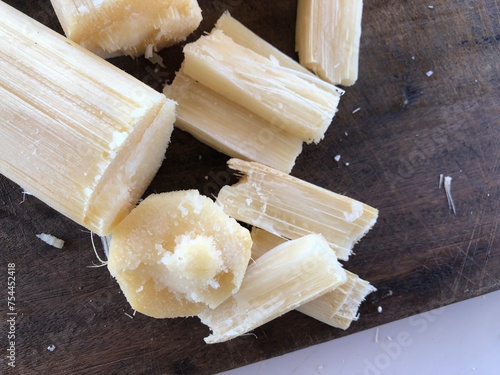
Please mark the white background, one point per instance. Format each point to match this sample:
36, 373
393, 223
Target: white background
463, 338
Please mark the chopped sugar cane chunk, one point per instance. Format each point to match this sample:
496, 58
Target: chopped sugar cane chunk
114, 27
291, 208
76, 132
229, 127
279, 281
177, 253
328, 37
51, 240
298, 103
338, 308
247, 38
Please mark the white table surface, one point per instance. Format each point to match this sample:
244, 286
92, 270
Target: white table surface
463, 338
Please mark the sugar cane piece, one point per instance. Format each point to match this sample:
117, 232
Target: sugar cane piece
291, 208
298, 103
338, 308
340, 314
76, 132
229, 127
247, 38
328, 37
177, 253
127, 27
279, 281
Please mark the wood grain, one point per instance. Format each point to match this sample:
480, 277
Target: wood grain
410, 129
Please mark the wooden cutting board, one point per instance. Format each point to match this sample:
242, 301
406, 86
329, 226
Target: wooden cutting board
410, 129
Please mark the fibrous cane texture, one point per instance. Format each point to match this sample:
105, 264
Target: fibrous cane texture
328, 37
78, 133
279, 281
291, 208
127, 27
338, 308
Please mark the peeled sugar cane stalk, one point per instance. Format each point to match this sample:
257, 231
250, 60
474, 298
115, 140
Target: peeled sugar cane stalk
327, 38
279, 281
296, 102
291, 208
177, 253
338, 308
127, 27
78, 133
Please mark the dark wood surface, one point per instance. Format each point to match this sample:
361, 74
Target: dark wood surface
410, 129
